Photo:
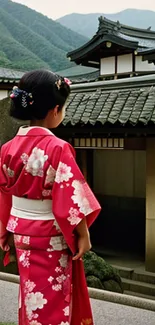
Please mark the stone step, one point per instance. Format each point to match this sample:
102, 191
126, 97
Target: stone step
143, 276
137, 275
140, 295
124, 272
138, 287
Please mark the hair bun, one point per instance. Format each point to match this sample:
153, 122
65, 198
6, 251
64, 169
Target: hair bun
38, 92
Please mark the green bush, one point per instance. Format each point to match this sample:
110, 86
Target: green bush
100, 274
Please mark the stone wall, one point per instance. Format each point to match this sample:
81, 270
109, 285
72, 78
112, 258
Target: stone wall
8, 129
8, 125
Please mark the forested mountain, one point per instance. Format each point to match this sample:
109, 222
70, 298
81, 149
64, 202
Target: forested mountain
30, 40
87, 24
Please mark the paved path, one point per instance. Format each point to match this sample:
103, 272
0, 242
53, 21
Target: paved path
105, 313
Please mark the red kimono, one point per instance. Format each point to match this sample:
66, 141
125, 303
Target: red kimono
43, 197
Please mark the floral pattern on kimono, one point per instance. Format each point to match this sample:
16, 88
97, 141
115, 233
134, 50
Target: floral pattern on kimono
8, 171
50, 176
72, 191
34, 164
33, 300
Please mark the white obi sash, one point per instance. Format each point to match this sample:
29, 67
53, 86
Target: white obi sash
32, 209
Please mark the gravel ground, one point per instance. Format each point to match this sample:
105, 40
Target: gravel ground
105, 313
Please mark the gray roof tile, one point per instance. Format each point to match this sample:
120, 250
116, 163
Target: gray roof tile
10, 75
132, 105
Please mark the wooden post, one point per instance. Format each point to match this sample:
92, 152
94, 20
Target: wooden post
150, 205
84, 162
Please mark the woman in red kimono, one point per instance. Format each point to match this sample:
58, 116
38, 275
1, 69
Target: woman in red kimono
47, 205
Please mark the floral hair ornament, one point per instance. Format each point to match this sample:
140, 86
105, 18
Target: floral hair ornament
14, 92
67, 81
58, 83
26, 98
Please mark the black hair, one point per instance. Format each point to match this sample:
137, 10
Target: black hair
38, 92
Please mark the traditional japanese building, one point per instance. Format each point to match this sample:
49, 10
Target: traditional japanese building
118, 50
8, 79
111, 123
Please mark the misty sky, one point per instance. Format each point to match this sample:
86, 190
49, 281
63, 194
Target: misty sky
58, 8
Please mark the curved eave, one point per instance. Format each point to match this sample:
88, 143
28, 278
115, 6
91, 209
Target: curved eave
128, 30
95, 43
83, 47
147, 51
148, 55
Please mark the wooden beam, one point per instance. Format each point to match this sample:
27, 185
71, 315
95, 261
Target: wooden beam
135, 144
104, 131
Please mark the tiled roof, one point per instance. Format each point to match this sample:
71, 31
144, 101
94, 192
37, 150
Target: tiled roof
116, 33
80, 73
76, 74
76, 70
89, 77
125, 101
10, 75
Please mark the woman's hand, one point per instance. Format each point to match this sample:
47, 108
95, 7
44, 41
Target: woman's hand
83, 237
84, 245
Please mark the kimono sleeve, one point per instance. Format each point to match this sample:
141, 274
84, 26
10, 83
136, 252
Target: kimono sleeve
5, 207
72, 198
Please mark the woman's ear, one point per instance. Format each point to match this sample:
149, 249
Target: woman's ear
55, 110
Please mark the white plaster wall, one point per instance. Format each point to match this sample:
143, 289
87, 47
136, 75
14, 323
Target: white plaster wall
107, 66
143, 65
3, 94
124, 63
